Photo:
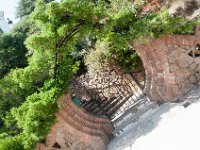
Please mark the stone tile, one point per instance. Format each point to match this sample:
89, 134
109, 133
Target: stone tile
174, 67
193, 80
197, 60
193, 67
184, 60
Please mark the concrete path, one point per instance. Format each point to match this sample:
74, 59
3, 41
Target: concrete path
170, 127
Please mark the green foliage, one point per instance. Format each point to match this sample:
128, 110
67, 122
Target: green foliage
14, 143
35, 116
128, 28
12, 52
23, 27
95, 59
58, 39
25, 7
50, 65
10, 127
20, 83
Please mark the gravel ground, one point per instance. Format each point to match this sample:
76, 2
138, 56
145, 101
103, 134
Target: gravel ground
170, 127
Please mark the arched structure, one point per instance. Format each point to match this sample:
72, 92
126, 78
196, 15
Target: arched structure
77, 130
172, 65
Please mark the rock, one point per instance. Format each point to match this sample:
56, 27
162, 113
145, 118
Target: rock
193, 67
174, 67
193, 80
197, 60
185, 60
173, 56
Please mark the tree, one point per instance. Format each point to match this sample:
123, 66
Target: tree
37, 87
12, 49
59, 29
25, 7
12, 53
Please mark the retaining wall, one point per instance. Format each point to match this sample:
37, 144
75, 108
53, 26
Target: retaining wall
172, 65
77, 130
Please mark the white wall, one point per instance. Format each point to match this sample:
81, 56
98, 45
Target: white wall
4, 25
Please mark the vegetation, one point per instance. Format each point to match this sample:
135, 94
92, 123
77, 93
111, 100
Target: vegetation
12, 48
60, 37
25, 7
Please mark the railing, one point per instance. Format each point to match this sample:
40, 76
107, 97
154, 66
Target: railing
110, 93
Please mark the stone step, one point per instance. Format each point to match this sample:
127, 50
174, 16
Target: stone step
125, 108
121, 124
119, 116
87, 105
117, 107
110, 101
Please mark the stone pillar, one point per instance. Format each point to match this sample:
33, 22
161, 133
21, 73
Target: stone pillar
172, 65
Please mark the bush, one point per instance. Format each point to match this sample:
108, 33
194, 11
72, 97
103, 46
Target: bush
12, 143
96, 59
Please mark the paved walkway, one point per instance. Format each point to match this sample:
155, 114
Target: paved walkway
170, 127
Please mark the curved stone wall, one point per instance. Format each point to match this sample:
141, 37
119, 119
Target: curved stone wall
172, 65
77, 130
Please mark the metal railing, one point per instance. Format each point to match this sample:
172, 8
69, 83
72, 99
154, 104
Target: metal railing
110, 93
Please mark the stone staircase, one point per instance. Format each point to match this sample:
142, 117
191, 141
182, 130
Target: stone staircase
142, 109
107, 107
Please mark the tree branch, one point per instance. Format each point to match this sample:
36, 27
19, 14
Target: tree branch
70, 35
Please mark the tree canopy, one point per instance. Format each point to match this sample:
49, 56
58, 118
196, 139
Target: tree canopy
25, 7
60, 37
12, 48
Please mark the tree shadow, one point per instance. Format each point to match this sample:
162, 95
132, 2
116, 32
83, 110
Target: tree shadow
145, 126
141, 128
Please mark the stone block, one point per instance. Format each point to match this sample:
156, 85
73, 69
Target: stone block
184, 60
173, 56
41, 147
154, 93
166, 39
197, 30
152, 47
167, 93
193, 80
179, 40
197, 60
170, 78
186, 85
174, 67
188, 40
175, 90
159, 66
161, 56
197, 76
166, 67
147, 88
160, 79
174, 40
154, 74
198, 68
170, 49
193, 67
180, 76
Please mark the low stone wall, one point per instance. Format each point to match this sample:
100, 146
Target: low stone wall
172, 65
77, 130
